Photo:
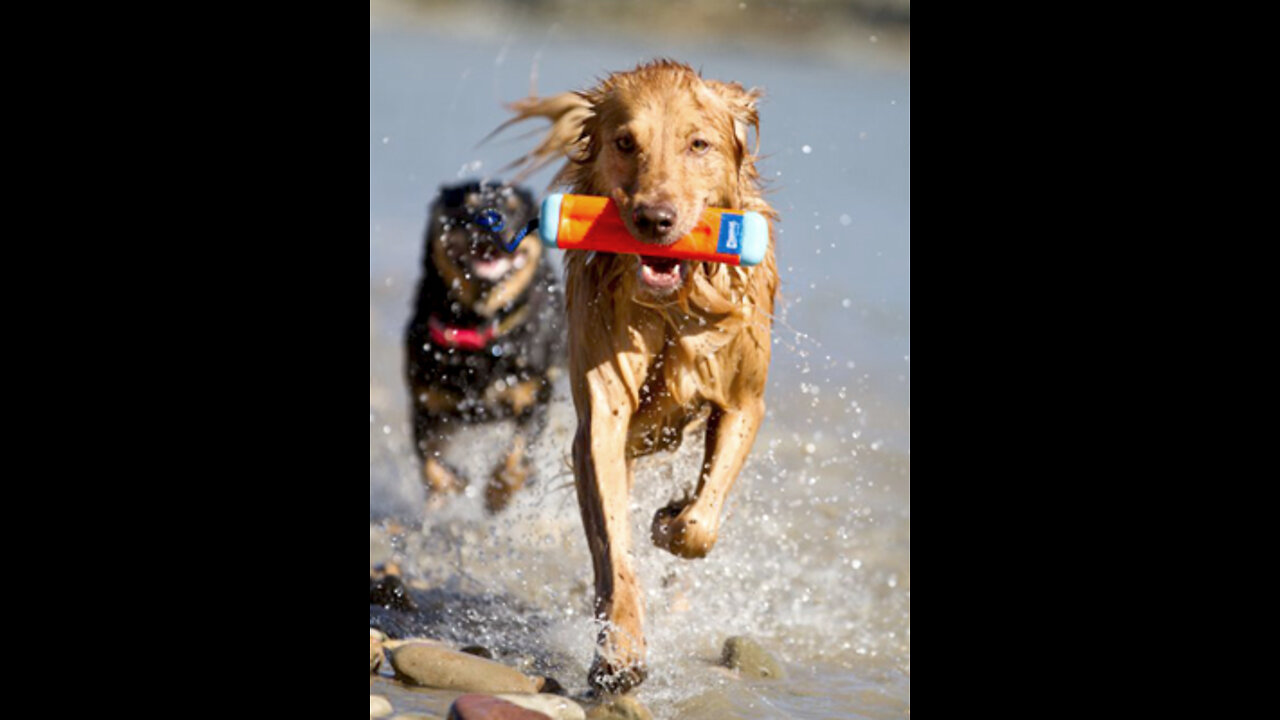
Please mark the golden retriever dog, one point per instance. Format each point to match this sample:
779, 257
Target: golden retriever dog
655, 343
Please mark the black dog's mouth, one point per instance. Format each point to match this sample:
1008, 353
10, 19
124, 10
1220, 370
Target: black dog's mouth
480, 255
661, 273
492, 269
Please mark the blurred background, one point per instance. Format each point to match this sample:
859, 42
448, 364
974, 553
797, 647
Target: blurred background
814, 558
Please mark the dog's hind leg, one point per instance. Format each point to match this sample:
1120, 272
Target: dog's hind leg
689, 529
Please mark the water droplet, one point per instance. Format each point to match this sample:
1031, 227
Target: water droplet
806, 149
845, 220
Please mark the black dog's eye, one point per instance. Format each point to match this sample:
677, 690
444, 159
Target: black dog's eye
700, 146
625, 143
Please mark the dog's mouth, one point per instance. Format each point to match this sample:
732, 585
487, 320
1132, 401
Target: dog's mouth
660, 273
492, 269
481, 258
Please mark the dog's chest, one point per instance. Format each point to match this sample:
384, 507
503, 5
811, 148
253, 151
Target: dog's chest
688, 368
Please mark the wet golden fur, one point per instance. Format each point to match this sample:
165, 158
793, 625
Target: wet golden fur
643, 363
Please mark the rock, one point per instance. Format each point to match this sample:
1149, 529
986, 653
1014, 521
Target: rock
393, 644
556, 708
377, 634
378, 706
620, 707
436, 666
389, 592
375, 654
747, 657
487, 707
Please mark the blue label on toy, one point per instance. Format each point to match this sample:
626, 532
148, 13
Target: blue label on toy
730, 234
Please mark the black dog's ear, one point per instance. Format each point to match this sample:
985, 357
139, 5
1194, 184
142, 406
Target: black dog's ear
453, 197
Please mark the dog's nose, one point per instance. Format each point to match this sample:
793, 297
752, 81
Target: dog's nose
655, 221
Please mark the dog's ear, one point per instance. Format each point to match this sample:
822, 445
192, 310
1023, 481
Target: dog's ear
567, 113
742, 105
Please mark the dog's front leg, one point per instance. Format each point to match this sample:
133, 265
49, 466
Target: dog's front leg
602, 472
432, 423
690, 530
527, 401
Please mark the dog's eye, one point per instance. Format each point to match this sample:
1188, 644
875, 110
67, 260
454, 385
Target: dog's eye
700, 146
625, 143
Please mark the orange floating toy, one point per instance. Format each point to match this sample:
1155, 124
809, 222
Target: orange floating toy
585, 222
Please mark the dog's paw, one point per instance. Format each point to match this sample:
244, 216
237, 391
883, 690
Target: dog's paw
506, 480
607, 677
678, 530
509, 477
441, 483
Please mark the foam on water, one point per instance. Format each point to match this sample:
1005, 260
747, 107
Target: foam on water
810, 562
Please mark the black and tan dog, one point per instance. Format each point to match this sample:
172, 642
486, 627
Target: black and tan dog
486, 333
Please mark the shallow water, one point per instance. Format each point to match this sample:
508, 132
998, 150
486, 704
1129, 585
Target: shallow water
814, 557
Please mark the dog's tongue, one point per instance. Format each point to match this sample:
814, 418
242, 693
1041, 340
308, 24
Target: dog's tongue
492, 268
660, 272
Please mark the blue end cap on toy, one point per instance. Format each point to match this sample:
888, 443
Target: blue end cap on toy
755, 238
549, 224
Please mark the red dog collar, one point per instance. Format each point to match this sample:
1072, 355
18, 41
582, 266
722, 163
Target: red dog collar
451, 336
